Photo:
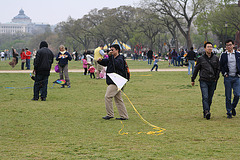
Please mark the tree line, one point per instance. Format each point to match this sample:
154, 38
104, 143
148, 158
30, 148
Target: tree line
155, 24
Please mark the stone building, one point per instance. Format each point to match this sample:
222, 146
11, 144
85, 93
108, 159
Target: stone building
22, 24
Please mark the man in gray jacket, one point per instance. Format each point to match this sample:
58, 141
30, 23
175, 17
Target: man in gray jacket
209, 67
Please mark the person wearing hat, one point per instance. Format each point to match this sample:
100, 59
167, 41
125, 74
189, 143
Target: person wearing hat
42, 66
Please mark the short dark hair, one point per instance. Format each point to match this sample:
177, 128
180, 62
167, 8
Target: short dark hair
229, 40
116, 46
207, 43
191, 48
101, 45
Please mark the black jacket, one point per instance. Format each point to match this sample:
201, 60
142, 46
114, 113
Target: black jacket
150, 54
208, 72
43, 61
114, 65
224, 63
191, 55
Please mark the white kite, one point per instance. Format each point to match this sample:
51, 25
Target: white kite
118, 80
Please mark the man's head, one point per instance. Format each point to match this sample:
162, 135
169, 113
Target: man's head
115, 49
208, 47
43, 44
26, 49
229, 45
191, 49
101, 46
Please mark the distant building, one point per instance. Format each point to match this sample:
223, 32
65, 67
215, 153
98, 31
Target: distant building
22, 24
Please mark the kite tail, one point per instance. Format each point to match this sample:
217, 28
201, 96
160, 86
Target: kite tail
159, 130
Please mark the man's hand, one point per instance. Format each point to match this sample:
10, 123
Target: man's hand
110, 53
99, 59
192, 83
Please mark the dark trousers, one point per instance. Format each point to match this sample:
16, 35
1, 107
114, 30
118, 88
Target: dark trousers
207, 89
22, 66
41, 82
28, 63
155, 65
85, 71
92, 74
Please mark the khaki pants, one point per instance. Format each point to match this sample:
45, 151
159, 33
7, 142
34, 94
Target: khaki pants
112, 91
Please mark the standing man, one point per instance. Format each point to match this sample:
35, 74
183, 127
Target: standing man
28, 57
98, 53
230, 68
209, 67
150, 56
115, 64
191, 56
42, 66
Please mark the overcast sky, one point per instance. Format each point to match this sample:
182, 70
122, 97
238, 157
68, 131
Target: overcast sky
54, 11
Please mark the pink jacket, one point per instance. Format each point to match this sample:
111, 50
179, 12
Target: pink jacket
84, 63
91, 69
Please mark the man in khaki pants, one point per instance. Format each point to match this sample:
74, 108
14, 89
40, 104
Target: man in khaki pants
115, 64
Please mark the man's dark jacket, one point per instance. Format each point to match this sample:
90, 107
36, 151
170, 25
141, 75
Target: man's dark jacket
43, 61
150, 54
191, 55
208, 72
224, 63
114, 65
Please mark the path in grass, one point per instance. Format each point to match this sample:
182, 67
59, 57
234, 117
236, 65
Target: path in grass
80, 70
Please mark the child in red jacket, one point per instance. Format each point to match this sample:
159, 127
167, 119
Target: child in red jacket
91, 70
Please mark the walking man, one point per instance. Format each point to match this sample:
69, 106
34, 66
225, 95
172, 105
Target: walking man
230, 68
191, 56
209, 67
115, 64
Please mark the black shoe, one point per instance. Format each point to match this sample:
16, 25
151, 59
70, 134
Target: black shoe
62, 86
107, 117
208, 115
229, 116
121, 118
43, 98
233, 112
204, 114
34, 99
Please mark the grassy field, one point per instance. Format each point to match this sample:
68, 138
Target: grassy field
69, 124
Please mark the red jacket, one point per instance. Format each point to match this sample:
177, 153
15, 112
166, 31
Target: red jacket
91, 69
23, 56
28, 55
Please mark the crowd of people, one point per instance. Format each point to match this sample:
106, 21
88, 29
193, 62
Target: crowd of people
102, 62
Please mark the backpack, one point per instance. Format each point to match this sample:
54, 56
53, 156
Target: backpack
126, 70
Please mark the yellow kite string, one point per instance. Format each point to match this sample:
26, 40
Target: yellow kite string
159, 131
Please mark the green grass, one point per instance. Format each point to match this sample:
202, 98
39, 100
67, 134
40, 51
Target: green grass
78, 65
69, 124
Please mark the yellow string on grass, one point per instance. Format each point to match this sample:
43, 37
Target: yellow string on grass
159, 130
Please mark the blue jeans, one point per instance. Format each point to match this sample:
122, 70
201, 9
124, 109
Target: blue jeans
174, 61
155, 65
191, 63
231, 84
28, 63
41, 82
149, 60
207, 89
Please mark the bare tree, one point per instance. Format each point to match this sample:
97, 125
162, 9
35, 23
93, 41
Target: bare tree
179, 10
